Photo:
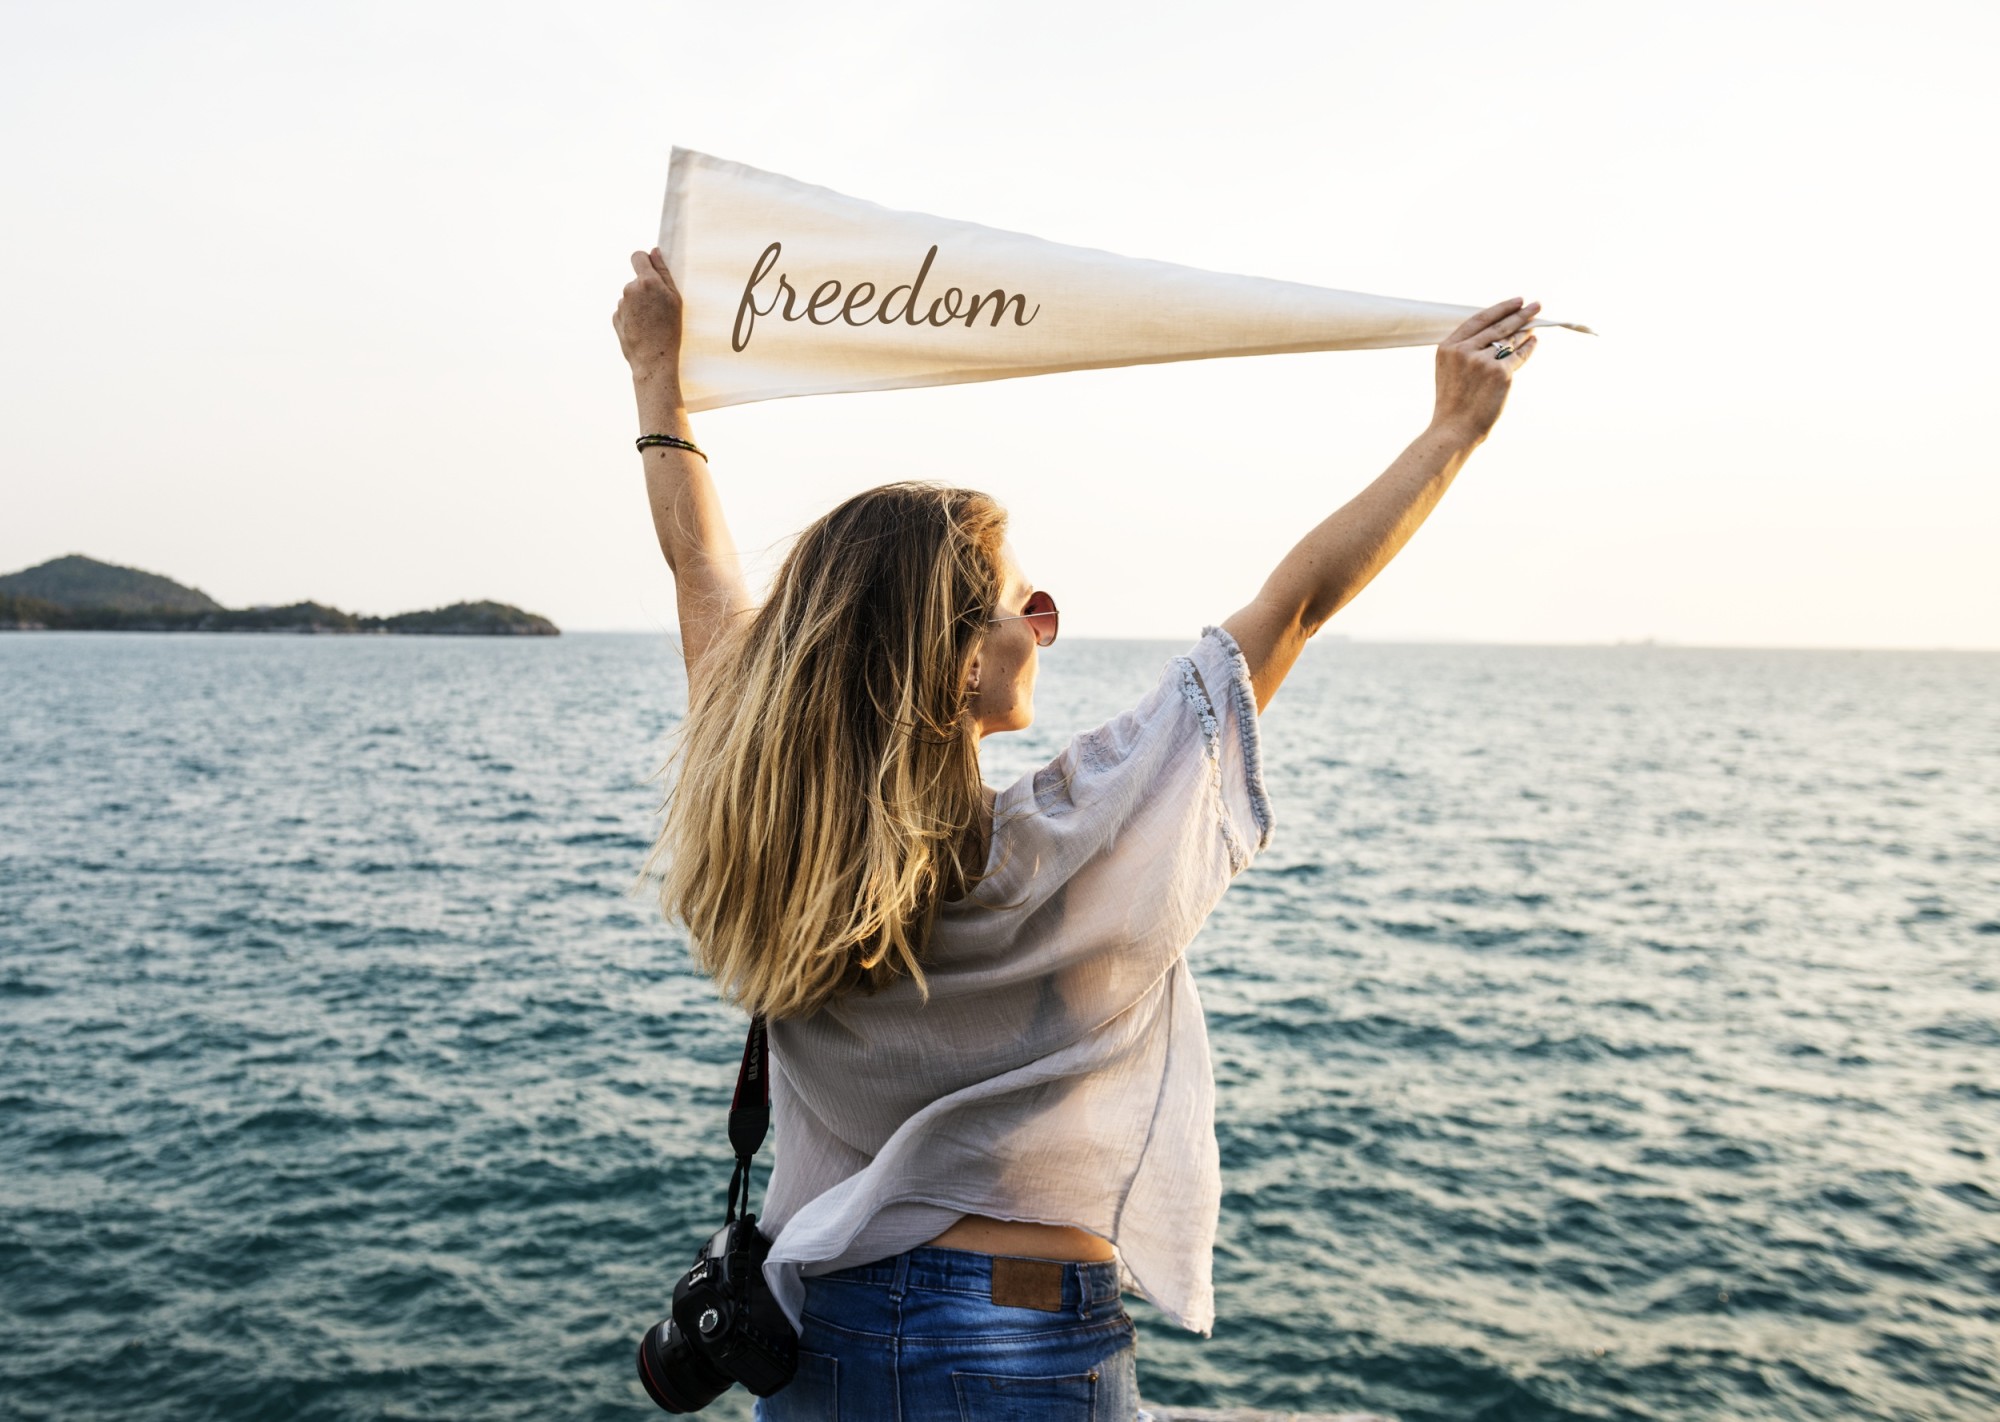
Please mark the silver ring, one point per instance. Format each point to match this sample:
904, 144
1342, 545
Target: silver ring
1501, 350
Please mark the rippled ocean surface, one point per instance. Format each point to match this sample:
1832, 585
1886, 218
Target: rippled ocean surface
1609, 1033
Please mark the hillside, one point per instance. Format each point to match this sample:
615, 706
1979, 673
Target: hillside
469, 619
78, 594
76, 581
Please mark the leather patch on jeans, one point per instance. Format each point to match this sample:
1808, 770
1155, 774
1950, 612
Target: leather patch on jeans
1028, 1283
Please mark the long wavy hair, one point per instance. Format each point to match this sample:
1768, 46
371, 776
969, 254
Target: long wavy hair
826, 794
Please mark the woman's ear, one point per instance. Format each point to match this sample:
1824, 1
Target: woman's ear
972, 678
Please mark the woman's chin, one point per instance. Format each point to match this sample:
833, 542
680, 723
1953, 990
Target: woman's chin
1018, 719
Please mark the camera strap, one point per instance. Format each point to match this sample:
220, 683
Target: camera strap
749, 1114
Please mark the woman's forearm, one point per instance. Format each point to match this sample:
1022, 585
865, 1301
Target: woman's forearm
1475, 366
688, 520
1341, 556
687, 514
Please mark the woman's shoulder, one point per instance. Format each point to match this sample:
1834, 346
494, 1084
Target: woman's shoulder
1200, 694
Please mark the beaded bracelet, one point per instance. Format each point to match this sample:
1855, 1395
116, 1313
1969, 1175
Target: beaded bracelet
646, 442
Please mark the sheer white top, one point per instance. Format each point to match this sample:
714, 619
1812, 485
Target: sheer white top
1059, 1072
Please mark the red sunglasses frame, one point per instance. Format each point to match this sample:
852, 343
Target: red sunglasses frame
1043, 620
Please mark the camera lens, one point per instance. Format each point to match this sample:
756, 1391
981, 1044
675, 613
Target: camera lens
675, 1375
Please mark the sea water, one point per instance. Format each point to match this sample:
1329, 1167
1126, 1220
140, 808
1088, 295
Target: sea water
1607, 1032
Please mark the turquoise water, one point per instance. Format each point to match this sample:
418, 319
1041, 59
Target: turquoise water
1608, 1033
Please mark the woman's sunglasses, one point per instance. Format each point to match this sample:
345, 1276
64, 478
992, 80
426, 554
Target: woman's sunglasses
1040, 614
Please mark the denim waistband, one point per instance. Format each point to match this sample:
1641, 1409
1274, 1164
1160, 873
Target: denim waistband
958, 1271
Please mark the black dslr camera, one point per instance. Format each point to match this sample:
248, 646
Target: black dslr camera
725, 1326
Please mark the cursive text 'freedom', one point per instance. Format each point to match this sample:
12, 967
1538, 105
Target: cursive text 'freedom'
899, 303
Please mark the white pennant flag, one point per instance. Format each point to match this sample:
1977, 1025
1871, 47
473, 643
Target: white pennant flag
791, 289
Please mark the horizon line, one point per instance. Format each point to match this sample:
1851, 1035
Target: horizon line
1428, 640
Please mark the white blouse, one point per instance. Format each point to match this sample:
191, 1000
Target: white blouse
1059, 1072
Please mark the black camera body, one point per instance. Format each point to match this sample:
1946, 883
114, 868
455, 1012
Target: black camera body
726, 1327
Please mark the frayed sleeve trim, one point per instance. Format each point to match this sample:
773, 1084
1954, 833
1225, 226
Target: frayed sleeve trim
1243, 700
1196, 697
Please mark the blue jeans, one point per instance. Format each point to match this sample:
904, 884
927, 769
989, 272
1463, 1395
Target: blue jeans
918, 1338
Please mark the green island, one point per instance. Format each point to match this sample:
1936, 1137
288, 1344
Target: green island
79, 594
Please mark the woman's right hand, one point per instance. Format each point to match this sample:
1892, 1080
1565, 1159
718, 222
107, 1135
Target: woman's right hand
1473, 378
648, 320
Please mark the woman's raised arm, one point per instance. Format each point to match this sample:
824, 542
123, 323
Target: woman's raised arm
1343, 554
687, 514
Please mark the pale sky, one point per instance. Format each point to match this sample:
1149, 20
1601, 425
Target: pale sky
313, 301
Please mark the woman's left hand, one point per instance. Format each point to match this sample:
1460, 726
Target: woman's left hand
1473, 376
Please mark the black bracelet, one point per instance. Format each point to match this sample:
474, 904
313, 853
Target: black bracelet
646, 442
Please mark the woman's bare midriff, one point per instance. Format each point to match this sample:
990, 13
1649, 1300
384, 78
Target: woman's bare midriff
1021, 1240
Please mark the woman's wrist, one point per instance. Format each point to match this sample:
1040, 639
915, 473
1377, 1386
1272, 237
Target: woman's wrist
661, 408
1458, 433
662, 379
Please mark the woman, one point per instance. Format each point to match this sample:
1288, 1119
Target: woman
990, 1075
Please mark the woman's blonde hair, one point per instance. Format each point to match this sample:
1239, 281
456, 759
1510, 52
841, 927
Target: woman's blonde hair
827, 795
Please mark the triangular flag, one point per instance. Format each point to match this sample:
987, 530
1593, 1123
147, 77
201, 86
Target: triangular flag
791, 289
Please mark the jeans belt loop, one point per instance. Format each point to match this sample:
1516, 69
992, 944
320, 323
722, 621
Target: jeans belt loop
899, 1282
